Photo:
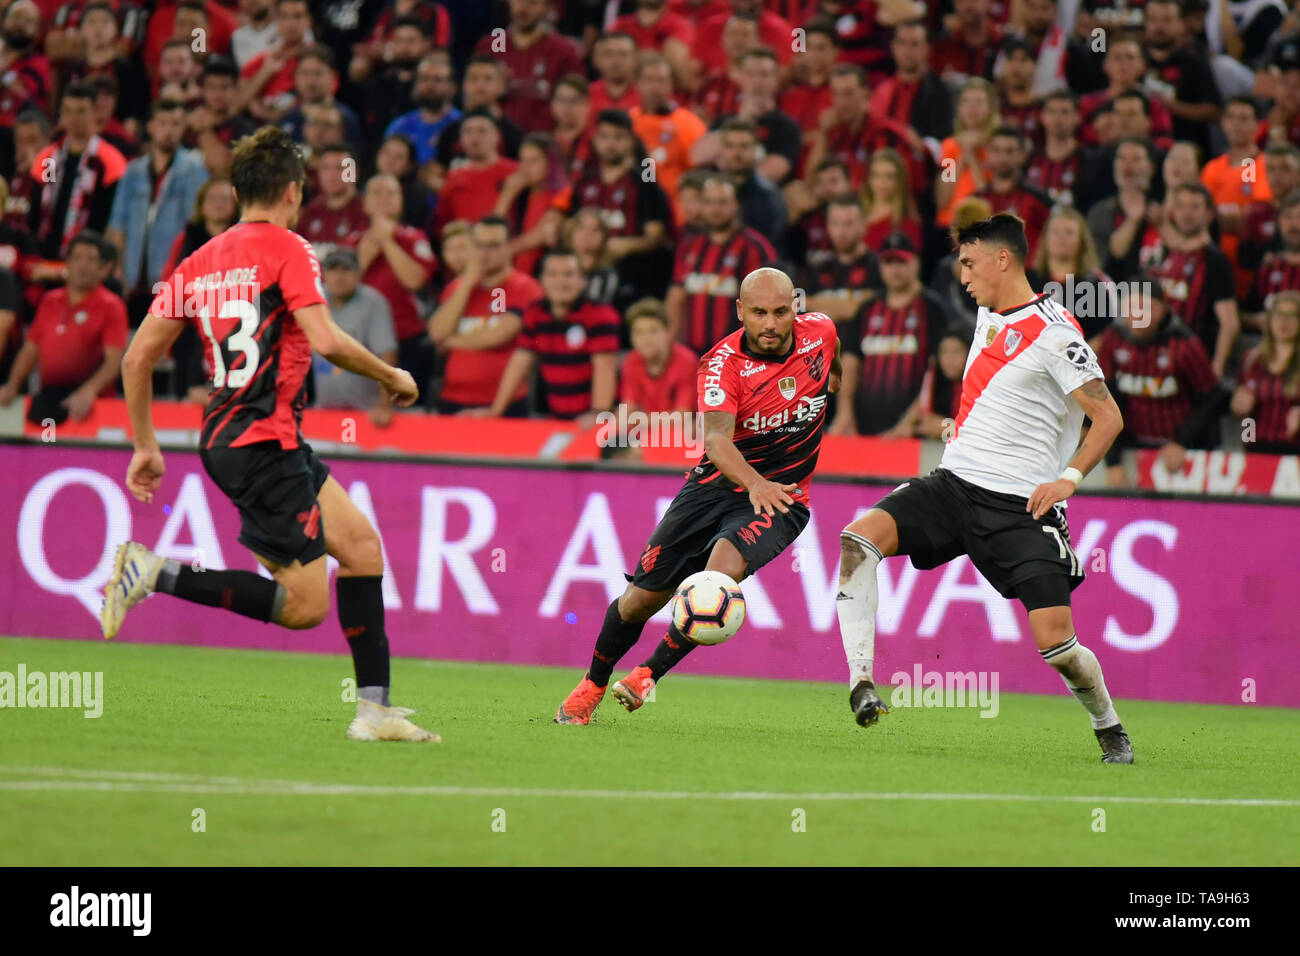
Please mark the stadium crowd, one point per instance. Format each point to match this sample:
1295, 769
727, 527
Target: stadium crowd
545, 207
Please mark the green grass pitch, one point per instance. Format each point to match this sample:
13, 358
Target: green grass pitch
719, 771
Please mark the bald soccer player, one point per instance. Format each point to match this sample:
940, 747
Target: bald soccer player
762, 392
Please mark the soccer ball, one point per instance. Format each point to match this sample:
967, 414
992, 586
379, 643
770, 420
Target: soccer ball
708, 608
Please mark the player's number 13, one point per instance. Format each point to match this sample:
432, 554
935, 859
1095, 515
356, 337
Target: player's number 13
241, 340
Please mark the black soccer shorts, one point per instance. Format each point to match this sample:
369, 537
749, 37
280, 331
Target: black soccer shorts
697, 518
275, 491
941, 516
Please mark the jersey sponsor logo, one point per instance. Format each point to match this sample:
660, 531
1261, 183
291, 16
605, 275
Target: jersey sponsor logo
787, 386
714, 396
1078, 354
713, 374
709, 283
1148, 386
751, 369
873, 345
809, 346
810, 406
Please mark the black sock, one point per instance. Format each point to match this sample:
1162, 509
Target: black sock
616, 638
244, 592
361, 614
669, 653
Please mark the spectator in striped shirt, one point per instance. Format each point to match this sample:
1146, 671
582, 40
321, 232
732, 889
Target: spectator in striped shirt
1160, 374
573, 342
709, 269
1269, 389
1280, 270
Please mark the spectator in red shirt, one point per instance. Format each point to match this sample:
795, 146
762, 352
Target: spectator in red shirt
369, 56
25, 75
574, 341
1125, 67
614, 57
1259, 232
774, 31
527, 194
1269, 389
162, 27
337, 215
937, 406
1015, 83
31, 137
215, 126
178, 73
574, 123
1279, 270
809, 93
482, 90
535, 58
889, 205
969, 49
914, 96
1007, 190
851, 275
1067, 266
266, 84
76, 340
470, 189
396, 260
654, 27
778, 134
716, 94
102, 56
658, 375
809, 241
479, 320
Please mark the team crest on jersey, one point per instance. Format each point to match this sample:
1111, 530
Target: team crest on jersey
787, 387
1012, 341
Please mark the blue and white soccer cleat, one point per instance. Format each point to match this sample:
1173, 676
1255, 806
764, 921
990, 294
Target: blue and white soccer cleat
135, 573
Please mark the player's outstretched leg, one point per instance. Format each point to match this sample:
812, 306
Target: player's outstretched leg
624, 621
633, 689
1059, 646
863, 545
350, 538
138, 573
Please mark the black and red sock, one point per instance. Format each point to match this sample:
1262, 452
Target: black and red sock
669, 653
361, 614
616, 638
243, 592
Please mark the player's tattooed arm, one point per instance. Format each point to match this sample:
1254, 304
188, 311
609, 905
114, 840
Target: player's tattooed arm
719, 427
1107, 422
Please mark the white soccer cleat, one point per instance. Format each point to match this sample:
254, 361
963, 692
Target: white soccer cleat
377, 722
135, 573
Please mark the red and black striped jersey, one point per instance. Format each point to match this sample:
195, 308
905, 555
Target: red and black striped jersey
625, 205
779, 402
1193, 282
894, 345
839, 277
1273, 404
1058, 178
564, 347
1023, 200
1025, 117
710, 274
1157, 381
1275, 275
240, 289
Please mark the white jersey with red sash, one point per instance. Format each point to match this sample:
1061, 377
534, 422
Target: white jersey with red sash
1018, 426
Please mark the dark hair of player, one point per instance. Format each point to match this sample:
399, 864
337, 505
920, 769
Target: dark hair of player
318, 52
614, 117
219, 66
1199, 189
1061, 94
1010, 132
576, 82
1136, 95
492, 220
79, 91
1241, 101
415, 23
1002, 230
822, 26
850, 201
102, 247
263, 165
165, 106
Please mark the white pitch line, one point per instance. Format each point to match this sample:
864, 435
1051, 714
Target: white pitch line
144, 782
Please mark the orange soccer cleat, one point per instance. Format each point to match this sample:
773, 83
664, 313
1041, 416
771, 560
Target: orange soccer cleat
581, 704
633, 689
